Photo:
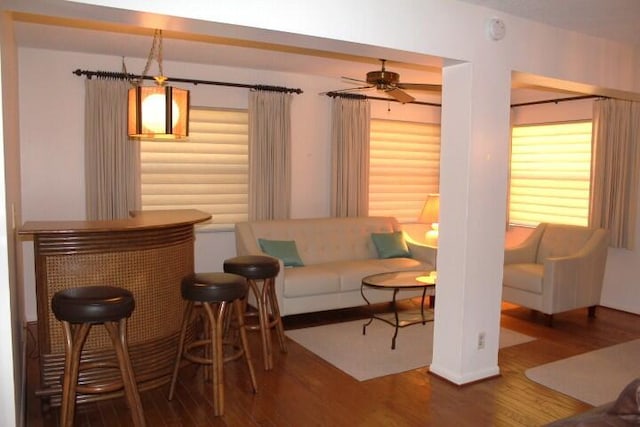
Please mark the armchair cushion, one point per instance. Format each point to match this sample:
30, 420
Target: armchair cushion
527, 277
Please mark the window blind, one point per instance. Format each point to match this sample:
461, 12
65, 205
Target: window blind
404, 167
550, 174
208, 172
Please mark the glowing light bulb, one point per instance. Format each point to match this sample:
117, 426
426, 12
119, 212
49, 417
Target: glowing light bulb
153, 113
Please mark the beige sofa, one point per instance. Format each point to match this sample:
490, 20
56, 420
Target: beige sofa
557, 268
337, 253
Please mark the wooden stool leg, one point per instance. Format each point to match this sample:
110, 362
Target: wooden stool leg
216, 322
183, 332
74, 337
275, 313
238, 306
118, 333
263, 317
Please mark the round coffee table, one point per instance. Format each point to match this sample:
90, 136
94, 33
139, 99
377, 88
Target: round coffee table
397, 281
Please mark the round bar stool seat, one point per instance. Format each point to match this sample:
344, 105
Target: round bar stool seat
214, 287
262, 270
213, 291
93, 304
79, 309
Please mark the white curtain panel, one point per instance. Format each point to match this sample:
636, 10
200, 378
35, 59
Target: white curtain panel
350, 157
269, 155
112, 161
615, 169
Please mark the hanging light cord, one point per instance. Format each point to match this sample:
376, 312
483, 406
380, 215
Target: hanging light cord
154, 53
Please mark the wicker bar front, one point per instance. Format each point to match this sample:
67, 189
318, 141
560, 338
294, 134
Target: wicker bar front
149, 261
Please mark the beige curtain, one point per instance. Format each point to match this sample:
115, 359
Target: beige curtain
112, 161
269, 155
615, 163
350, 157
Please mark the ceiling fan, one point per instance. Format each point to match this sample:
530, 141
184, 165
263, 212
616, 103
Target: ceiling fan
389, 82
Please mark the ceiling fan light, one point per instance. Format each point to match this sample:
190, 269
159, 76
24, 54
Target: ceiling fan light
383, 78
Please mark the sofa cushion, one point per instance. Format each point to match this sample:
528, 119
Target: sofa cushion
527, 277
390, 245
340, 276
286, 250
353, 273
310, 280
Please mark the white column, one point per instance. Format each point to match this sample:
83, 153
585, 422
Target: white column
473, 199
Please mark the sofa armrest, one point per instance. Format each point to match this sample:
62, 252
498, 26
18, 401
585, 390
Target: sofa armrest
525, 252
576, 280
421, 251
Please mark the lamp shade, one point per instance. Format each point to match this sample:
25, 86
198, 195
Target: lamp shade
158, 112
431, 210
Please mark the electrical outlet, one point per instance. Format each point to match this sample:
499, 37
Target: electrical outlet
481, 337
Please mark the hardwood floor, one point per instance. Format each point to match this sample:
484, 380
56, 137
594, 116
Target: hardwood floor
304, 390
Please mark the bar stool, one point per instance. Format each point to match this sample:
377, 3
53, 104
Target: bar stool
213, 291
259, 269
79, 309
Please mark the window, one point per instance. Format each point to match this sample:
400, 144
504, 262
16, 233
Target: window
404, 167
208, 172
550, 174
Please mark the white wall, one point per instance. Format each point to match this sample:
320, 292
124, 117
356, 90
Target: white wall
52, 130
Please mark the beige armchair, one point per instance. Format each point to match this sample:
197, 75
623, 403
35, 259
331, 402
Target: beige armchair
557, 268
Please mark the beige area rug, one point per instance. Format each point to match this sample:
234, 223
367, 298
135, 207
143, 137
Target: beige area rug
596, 377
370, 356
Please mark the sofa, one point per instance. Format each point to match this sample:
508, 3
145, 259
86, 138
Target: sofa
624, 411
557, 268
333, 255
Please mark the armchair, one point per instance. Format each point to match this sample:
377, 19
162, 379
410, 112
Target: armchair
557, 268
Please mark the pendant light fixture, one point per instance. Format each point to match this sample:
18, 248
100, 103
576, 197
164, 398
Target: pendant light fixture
159, 111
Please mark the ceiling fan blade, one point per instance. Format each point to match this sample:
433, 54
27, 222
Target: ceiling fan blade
347, 90
399, 95
420, 86
349, 79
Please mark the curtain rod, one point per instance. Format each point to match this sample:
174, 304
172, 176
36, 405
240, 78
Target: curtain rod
556, 101
127, 76
375, 98
524, 104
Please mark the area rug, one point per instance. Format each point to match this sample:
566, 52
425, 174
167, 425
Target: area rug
596, 377
370, 356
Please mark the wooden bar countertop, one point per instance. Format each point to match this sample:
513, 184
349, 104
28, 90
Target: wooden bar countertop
138, 220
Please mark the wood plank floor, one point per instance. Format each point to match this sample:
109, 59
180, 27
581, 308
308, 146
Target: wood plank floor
304, 390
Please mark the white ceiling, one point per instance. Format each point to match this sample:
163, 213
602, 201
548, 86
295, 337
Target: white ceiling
611, 19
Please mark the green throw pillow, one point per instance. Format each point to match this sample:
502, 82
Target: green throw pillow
390, 245
286, 250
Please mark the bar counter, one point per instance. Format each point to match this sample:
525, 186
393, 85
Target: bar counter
148, 254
